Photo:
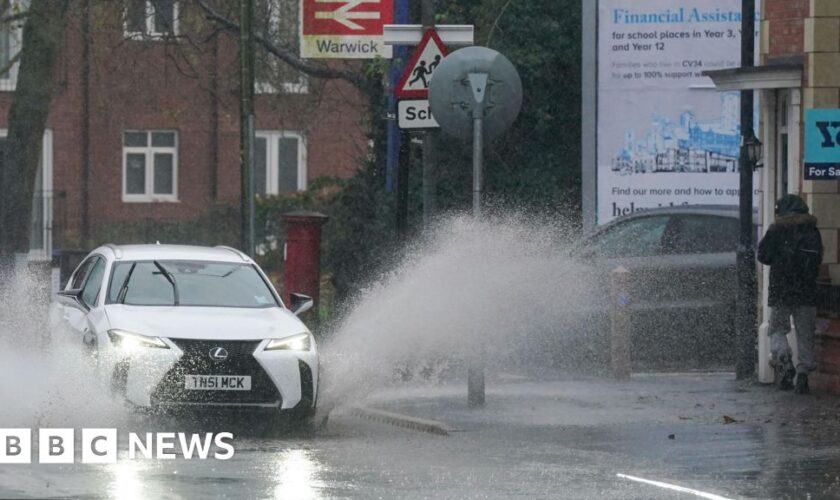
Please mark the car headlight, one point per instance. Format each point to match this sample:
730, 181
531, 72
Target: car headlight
128, 341
300, 342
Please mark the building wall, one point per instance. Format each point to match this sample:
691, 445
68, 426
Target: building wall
782, 27
189, 85
810, 30
822, 90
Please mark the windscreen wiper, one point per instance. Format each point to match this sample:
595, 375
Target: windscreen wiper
169, 278
124, 288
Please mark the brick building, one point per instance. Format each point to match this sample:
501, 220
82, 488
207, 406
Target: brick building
144, 123
799, 71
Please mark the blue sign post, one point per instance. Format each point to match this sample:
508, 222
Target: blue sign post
822, 144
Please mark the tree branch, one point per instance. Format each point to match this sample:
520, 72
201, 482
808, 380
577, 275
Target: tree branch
496, 22
19, 16
9, 65
314, 70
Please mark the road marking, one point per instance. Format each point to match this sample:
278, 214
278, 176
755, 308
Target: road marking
674, 487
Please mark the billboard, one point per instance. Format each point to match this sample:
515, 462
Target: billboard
665, 136
345, 29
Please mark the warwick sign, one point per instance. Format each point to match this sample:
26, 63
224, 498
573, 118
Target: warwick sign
345, 29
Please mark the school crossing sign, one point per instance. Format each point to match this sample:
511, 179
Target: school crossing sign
345, 29
418, 73
822, 144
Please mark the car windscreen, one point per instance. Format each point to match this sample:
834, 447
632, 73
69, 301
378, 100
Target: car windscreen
188, 283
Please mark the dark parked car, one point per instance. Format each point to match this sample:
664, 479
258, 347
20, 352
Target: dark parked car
682, 286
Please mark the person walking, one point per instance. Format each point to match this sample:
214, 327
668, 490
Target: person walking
793, 249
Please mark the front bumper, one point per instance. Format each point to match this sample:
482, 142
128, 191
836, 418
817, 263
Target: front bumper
279, 379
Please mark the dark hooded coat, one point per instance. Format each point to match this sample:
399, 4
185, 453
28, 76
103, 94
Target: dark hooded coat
793, 249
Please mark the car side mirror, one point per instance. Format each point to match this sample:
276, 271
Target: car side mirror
300, 303
74, 295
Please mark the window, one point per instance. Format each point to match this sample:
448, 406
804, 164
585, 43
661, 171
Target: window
277, 21
279, 162
640, 237
146, 19
705, 234
40, 236
11, 35
150, 166
94, 283
78, 278
194, 283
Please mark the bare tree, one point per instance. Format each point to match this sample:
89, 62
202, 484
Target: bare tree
316, 70
42, 34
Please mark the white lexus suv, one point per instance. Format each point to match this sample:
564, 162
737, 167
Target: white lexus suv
175, 326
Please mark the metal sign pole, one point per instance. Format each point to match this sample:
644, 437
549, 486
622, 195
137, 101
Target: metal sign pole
478, 163
478, 84
466, 111
475, 370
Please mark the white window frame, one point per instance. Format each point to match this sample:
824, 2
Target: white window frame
149, 196
149, 33
299, 87
15, 44
273, 172
46, 166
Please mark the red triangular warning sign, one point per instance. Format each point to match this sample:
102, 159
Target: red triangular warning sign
414, 83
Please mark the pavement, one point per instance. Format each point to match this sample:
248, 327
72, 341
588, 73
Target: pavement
702, 431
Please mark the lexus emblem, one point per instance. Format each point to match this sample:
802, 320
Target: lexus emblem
218, 354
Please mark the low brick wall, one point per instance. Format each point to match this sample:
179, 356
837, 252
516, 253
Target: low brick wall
827, 377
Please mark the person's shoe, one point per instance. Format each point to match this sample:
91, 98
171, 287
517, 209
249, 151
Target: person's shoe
802, 384
785, 372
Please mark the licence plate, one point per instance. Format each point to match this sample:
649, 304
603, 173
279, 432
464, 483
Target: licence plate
218, 382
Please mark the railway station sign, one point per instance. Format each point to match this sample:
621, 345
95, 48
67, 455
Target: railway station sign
345, 29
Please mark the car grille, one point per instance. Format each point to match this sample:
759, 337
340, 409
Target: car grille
196, 361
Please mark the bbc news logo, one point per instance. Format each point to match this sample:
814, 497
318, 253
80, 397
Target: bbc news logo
100, 446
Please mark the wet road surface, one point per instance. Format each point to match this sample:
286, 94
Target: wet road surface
540, 440
351, 459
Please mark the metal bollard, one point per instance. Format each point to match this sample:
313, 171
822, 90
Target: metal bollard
475, 384
621, 323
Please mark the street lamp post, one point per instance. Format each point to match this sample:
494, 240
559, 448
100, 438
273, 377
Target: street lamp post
745, 320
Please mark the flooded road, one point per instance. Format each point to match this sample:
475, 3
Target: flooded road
353, 459
654, 437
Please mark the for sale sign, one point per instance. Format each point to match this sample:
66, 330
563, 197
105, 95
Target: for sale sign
822, 144
345, 29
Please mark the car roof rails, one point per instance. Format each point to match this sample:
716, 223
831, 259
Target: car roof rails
114, 248
239, 253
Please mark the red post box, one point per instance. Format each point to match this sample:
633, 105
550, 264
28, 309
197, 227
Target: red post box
302, 255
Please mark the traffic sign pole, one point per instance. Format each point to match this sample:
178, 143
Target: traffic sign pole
475, 371
458, 99
478, 83
427, 19
478, 164
393, 133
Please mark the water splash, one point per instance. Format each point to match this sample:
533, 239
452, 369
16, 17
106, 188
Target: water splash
500, 289
46, 380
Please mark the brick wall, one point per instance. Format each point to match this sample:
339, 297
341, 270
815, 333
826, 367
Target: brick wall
783, 21
189, 86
